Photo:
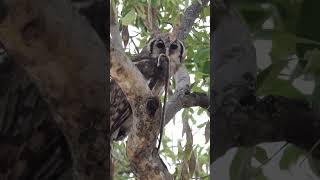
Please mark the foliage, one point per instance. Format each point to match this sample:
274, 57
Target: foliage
186, 158
294, 56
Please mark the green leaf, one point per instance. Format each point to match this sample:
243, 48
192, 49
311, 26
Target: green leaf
260, 154
313, 65
205, 67
254, 14
206, 11
270, 73
314, 165
280, 87
185, 115
140, 11
316, 92
309, 14
128, 18
154, 3
180, 150
200, 111
290, 156
202, 54
202, 125
284, 45
189, 138
237, 163
207, 132
258, 174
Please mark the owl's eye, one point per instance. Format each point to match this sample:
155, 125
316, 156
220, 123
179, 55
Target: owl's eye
173, 46
160, 45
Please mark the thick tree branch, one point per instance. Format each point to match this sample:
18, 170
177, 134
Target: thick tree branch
185, 99
57, 47
273, 119
143, 157
127, 76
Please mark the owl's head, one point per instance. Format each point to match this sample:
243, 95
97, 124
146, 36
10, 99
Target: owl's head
165, 43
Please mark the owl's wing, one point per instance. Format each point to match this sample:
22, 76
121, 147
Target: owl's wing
120, 108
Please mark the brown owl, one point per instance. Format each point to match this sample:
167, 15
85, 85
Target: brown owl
147, 63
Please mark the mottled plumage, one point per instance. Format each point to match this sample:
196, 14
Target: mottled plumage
146, 62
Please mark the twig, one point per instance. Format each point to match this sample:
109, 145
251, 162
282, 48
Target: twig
114, 28
273, 155
135, 46
309, 152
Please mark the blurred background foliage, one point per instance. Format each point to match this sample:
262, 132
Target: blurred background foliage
185, 157
292, 28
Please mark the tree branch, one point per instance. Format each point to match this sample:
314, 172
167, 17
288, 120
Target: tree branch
127, 75
273, 119
143, 156
182, 98
190, 15
152, 16
114, 28
185, 99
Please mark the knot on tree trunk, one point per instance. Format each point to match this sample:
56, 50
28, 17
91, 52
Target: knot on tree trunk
152, 105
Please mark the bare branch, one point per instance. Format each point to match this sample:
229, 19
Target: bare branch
114, 28
152, 16
190, 15
183, 99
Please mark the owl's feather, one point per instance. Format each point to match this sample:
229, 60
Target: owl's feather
146, 62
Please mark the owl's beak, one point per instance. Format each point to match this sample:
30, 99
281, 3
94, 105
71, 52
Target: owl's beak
167, 51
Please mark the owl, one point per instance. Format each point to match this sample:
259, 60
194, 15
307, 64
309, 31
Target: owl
154, 69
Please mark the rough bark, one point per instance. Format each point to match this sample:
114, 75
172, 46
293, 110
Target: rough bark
144, 158
51, 42
32, 146
190, 15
